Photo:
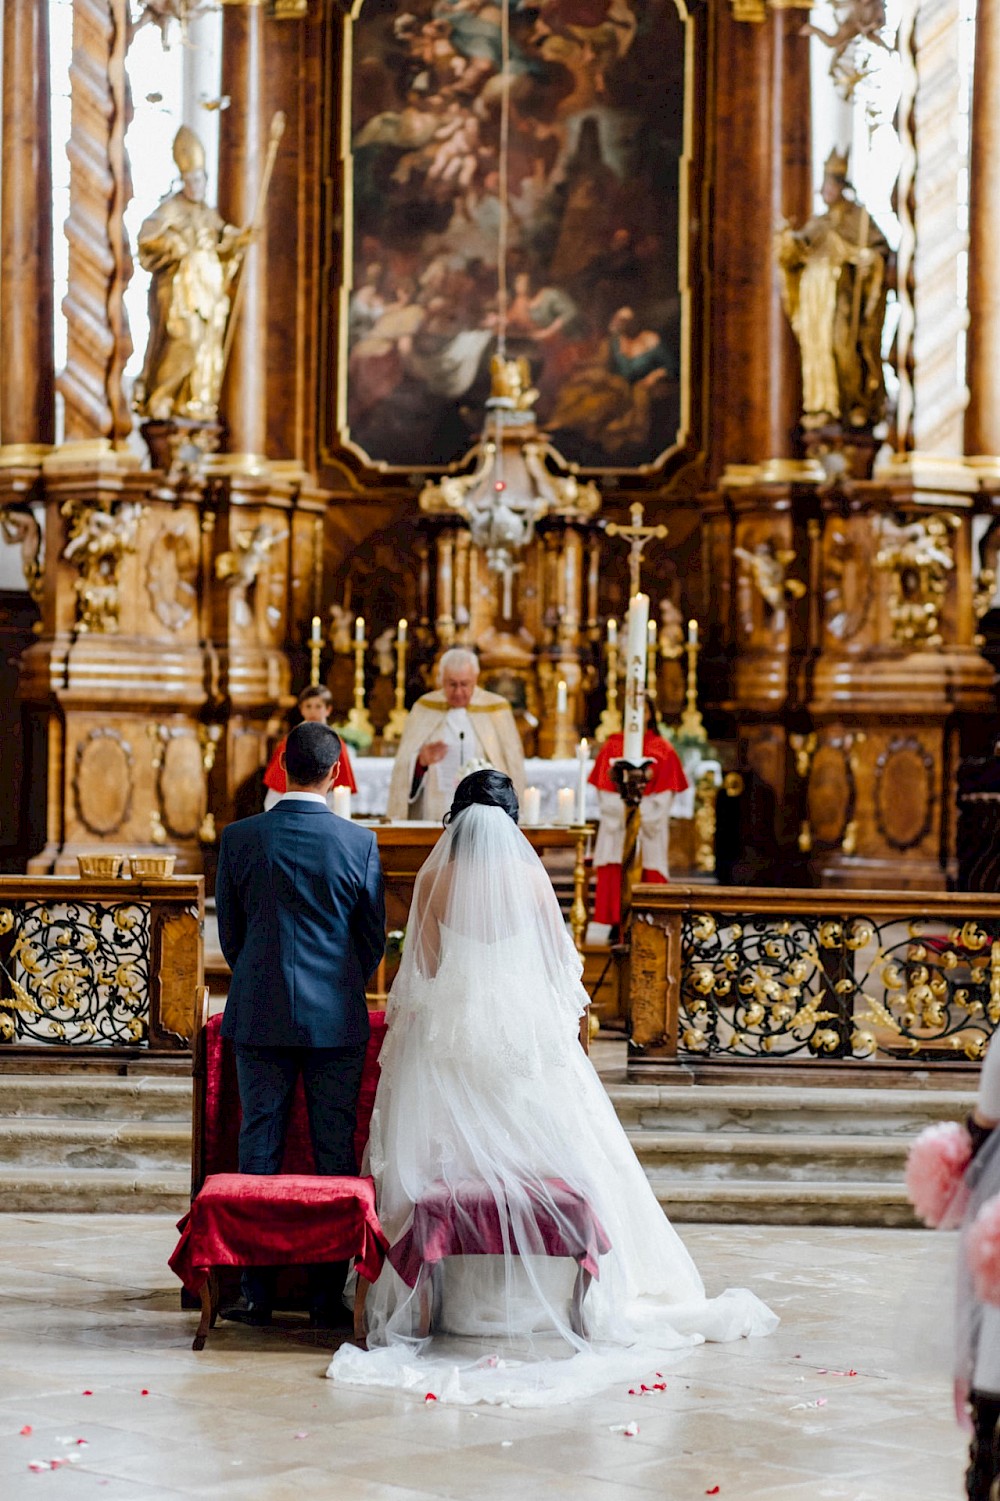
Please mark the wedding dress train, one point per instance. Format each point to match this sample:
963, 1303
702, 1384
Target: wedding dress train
486, 1092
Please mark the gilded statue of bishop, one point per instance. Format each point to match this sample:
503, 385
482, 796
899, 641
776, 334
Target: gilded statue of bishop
834, 273
193, 256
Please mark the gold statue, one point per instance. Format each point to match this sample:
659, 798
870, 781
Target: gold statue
193, 256
833, 286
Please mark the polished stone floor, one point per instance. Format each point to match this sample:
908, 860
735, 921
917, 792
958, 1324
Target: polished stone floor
849, 1401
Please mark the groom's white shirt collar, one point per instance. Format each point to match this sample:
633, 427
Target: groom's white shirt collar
303, 797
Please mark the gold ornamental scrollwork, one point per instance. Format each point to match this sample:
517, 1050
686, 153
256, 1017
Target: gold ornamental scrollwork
99, 538
918, 557
21, 529
756, 11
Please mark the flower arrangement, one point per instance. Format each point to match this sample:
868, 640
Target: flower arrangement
935, 1168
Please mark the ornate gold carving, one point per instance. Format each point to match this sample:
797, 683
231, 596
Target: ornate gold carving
705, 795
848, 583
179, 940
99, 538
157, 833
172, 574
102, 780
648, 989
209, 735
239, 569
206, 832
20, 528
767, 566
804, 747
918, 558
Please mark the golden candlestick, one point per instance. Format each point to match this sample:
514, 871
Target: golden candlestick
610, 721
651, 664
564, 744
579, 918
692, 724
357, 717
397, 719
315, 651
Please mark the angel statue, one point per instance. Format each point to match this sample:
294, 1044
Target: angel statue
834, 273
768, 567
193, 256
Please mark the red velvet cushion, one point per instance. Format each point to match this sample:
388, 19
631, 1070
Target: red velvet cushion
221, 1127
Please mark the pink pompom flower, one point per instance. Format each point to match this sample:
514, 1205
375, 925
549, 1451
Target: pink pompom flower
935, 1168
983, 1251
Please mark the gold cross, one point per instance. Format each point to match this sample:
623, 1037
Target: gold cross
638, 535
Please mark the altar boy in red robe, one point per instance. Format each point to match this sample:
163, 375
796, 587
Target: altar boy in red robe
315, 703
654, 837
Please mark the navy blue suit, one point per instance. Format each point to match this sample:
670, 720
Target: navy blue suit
301, 916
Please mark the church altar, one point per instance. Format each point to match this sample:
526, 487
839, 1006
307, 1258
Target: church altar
372, 775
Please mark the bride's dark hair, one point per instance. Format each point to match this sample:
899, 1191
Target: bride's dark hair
488, 789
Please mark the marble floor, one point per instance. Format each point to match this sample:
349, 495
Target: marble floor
849, 1401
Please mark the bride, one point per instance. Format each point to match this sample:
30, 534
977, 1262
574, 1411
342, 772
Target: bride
530, 1262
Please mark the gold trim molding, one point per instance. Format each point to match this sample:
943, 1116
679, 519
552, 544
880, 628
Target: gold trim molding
773, 472
90, 453
23, 455
247, 465
755, 11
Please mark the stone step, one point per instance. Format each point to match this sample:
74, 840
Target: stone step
106, 1145
766, 1108
39, 1190
95, 1097
783, 1203
772, 1156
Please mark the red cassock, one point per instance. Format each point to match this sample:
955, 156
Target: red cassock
274, 776
668, 776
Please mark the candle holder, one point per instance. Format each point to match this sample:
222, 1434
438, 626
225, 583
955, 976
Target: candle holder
564, 745
399, 714
315, 652
610, 721
692, 725
357, 717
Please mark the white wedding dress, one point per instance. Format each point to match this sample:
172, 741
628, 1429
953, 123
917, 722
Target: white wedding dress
484, 1083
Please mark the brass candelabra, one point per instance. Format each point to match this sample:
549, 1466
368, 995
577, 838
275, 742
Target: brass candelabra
692, 724
358, 718
610, 721
397, 718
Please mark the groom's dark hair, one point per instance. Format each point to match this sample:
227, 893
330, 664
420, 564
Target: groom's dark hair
310, 751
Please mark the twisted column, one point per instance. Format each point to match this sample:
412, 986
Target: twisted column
982, 417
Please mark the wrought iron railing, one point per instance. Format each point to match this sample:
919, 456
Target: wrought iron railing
725, 974
113, 965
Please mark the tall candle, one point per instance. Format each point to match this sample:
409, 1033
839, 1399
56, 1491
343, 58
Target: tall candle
317, 626
359, 628
635, 678
401, 632
565, 805
531, 806
342, 802
582, 756
693, 632
612, 633
561, 696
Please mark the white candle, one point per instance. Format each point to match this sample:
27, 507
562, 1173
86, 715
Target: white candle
531, 807
635, 678
342, 802
561, 692
582, 756
612, 633
359, 628
401, 632
316, 636
565, 805
693, 632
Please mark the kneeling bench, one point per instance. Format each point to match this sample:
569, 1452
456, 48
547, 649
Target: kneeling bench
294, 1219
466, 1221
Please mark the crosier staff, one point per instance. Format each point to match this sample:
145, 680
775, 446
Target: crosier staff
277, 130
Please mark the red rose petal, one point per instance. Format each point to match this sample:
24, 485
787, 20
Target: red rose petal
144, 1392
713, 1492
430, 1397
86, 1394
83, 1441
26, 1430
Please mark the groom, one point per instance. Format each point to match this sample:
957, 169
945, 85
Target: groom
302, 925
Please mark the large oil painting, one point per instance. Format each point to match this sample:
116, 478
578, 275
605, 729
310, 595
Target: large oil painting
596, 124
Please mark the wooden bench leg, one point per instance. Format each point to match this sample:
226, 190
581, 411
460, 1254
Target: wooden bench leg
360, 1299
580, 1287
209, 1312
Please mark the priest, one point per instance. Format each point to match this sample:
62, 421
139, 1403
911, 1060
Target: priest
654, 830
445, 731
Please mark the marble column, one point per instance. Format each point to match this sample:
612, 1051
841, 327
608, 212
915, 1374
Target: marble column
27, 402
982, 416
243, 141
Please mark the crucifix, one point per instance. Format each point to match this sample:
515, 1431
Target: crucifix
637, 536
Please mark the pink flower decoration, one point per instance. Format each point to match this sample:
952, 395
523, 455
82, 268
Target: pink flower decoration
934, 1171
984, 1251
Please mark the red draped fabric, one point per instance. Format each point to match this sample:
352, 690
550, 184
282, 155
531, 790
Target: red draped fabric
308, 1220
466, 1222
